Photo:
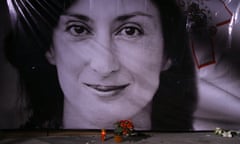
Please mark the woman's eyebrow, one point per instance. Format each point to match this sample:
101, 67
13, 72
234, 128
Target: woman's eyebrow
131, 15
78, 16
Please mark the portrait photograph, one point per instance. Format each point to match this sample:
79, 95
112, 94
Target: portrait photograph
86, 64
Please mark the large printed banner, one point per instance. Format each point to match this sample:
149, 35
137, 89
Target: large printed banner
86, 64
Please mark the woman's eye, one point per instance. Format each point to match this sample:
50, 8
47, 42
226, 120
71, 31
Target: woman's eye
130, 31
78, 30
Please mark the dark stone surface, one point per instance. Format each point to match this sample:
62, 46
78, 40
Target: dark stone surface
144, 138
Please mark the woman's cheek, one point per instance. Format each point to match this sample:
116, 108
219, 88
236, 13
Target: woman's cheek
140, 55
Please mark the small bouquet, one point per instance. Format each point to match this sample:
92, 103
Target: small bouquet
226, 133
123, 128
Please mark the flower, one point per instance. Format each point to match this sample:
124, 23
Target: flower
226, 133
123, 127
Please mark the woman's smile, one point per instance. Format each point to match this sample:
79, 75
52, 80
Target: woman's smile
106, 90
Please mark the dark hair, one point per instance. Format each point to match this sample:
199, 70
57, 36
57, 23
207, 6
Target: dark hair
176, 98
31, 36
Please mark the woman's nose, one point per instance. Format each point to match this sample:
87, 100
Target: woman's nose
104, 61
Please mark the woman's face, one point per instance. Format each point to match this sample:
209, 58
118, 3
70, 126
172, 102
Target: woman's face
108, 54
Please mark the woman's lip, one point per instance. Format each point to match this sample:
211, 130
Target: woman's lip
106, 88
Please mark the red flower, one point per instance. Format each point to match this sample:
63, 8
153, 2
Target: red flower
124, 127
